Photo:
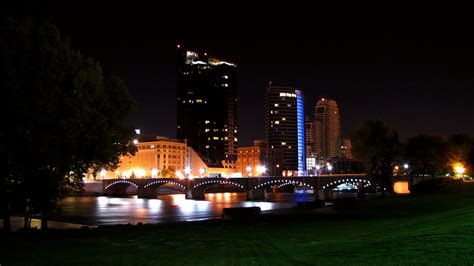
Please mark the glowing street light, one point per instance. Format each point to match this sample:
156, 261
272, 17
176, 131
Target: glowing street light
406, 166
202, 170
135, 141
102, 173
154, 172
249, 170
329, 166
459, 169
261, 169
187, 170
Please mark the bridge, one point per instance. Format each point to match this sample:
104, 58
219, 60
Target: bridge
254, 187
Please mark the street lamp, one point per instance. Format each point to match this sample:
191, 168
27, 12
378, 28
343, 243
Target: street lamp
154, 173
102, 173
329, 166
202, 170
249, 170
261, 169
406, 166
459, 169
187, 171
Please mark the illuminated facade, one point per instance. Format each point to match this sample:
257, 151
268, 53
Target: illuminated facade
164, 155
249, 159
327, 113
313, 144
284, 126
207, 106
346, 149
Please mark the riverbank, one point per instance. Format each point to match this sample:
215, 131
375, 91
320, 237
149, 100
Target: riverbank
426, 229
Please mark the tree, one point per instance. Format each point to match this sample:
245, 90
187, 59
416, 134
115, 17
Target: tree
426, 155
471, 160
458, 149
376, 144
69, 118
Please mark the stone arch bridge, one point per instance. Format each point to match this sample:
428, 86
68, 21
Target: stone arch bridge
254, 187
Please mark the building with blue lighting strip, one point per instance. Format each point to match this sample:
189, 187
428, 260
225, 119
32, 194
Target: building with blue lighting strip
284, 127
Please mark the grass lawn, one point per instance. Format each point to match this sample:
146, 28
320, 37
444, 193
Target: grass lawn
435, 229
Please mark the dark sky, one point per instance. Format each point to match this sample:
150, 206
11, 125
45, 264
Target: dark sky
419, 78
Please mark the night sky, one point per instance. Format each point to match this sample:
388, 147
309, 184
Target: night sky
419, 78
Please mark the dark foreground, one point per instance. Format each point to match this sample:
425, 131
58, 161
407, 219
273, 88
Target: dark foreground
428, 229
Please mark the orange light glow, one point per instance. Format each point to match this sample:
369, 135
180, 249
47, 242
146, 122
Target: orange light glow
401, 187
459, 169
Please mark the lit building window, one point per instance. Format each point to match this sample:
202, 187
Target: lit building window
276, 105
207, 122
207, 146
283, 143
225, 77
289, 105
198, 100
235, 139
225, 85
207, 130
283, 118
215, 138
277, 122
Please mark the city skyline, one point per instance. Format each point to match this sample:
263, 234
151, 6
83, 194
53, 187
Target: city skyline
419, 82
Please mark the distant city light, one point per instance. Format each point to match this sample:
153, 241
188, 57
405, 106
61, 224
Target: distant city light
154, 172
102, 173
261, 169
137, 131
139, 173
135, 141
406, 166
329, 167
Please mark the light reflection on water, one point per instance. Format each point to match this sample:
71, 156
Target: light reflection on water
166, 208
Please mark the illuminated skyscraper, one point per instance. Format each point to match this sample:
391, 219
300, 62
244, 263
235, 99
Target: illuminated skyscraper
327, 113
284, 126
207, 105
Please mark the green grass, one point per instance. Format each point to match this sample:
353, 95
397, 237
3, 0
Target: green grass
433, 229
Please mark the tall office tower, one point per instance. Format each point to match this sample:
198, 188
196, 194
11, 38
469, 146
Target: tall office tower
313, 143
327, 113
284, 127
207, 106
346, 149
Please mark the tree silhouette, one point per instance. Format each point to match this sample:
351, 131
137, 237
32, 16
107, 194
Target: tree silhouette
376, 144
68, 117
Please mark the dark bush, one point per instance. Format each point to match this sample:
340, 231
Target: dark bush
432, 185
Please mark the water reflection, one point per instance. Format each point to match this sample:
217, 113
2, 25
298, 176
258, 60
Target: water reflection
166, 208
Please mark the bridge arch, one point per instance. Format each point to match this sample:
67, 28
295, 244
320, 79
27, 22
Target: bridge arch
354, 181
120, 182
281, 182
157, 183
208, 183
121, 187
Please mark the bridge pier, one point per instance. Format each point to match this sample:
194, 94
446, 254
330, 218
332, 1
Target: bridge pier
146, 193
255, 194
195, 194
323, 194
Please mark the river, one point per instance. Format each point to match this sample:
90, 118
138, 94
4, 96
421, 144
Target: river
166, 208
